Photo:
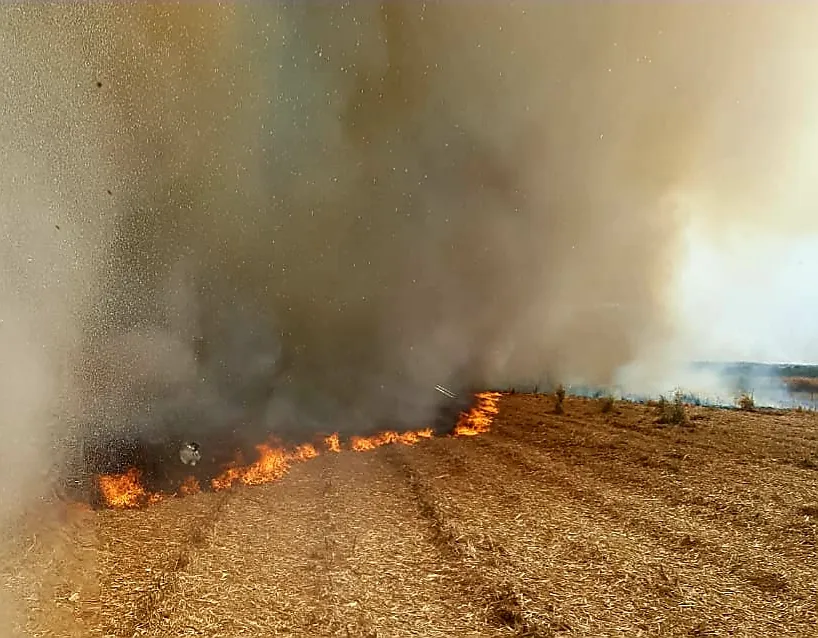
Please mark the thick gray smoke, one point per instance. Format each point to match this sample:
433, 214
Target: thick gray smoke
308, 214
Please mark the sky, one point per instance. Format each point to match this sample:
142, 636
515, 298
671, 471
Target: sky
752, 296
746, 282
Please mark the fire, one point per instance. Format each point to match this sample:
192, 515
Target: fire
305, 452
190, 486
272, 464
362, 444
333, 443
124, 491
478, 419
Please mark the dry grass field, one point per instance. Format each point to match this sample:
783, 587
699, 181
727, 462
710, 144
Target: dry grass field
591, 522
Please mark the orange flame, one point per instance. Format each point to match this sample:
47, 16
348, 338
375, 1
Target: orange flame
362, 444
333, 443
305, 452
478, 419
123, 491
190, 486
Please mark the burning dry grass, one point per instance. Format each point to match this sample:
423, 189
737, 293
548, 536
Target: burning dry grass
586, 523
126, 491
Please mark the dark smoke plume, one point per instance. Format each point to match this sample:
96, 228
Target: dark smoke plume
304, 216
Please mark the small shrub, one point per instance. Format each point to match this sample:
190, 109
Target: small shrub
607, 404
559, 393
746, 402
672, 412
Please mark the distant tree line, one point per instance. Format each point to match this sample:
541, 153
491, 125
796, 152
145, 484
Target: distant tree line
754, 370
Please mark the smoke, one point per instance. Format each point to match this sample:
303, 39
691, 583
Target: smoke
308, 215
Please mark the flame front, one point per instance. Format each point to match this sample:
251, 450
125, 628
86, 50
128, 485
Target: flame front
123, 491
478, 420
362, 444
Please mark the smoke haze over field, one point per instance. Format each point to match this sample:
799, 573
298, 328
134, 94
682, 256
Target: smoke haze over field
293, 213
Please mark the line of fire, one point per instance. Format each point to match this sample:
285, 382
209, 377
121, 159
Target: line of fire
151, 477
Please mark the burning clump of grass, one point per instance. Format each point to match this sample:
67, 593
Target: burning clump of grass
121, 490
127, 491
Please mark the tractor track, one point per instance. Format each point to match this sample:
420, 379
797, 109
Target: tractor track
480, 560
146, 611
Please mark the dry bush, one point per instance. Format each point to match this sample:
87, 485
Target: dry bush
607, 404
559, 394
746, 402
671, 412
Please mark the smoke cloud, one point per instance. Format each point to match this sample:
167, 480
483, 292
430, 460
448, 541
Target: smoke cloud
306, 215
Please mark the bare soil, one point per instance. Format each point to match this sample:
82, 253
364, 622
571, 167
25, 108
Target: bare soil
593, 522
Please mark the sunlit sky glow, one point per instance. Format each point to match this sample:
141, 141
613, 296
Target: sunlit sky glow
750, 296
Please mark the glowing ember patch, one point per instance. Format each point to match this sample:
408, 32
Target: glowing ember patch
189, 487
126, 491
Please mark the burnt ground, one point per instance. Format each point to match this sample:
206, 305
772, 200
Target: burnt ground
587, 523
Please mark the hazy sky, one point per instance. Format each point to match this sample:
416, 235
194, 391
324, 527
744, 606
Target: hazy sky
752, 296
747, 283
